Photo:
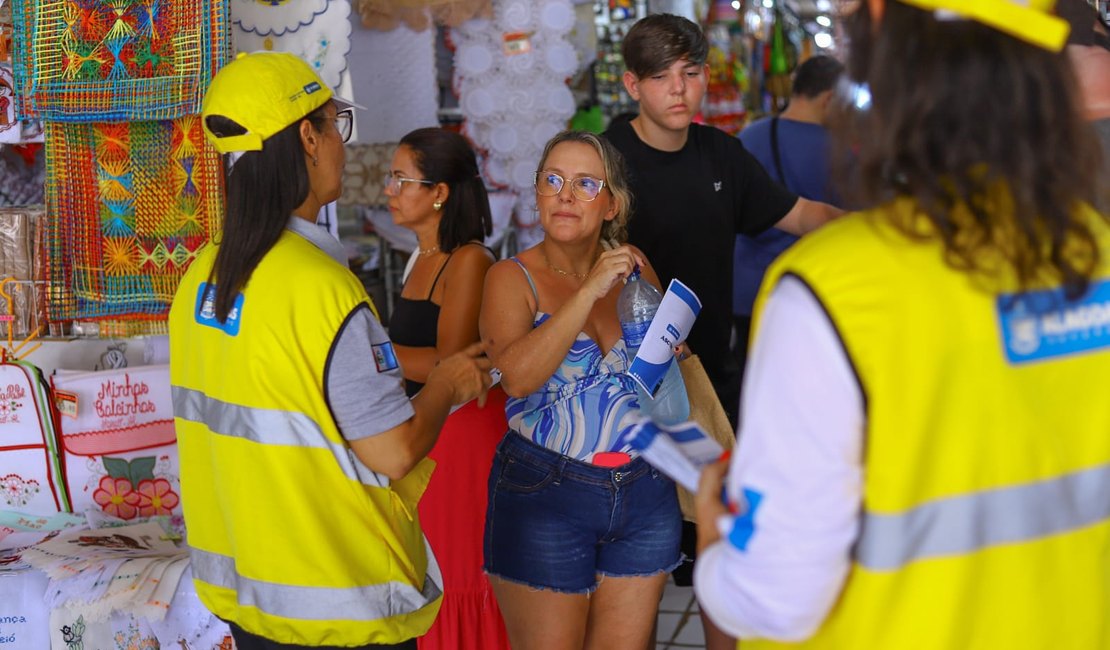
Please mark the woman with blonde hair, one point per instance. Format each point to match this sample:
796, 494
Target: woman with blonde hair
580, 533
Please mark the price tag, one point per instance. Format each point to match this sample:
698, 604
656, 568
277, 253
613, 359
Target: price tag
66, 403
516, 43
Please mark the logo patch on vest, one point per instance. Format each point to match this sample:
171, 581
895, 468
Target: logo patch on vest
205, 311
743, 527
1041, 325
384, 357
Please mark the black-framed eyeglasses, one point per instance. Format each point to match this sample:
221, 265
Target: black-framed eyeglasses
584, 188
344, 123
392, 183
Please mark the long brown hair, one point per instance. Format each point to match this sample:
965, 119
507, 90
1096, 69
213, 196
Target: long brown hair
985, 132
263, 189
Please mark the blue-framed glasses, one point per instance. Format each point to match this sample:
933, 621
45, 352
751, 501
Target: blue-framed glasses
584, 188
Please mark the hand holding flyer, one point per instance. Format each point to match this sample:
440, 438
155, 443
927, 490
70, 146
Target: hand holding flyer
679, 451
669, 328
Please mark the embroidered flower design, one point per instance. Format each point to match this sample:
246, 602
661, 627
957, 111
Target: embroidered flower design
73, 635
17, 491
116, 497
133, 639
156, 498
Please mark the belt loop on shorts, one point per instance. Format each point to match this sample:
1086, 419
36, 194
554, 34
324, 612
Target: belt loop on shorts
559, 469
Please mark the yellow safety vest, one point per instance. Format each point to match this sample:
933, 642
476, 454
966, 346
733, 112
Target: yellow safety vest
986, 493
291, 537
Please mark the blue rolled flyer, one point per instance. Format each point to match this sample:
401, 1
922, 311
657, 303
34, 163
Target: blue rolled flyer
669, 328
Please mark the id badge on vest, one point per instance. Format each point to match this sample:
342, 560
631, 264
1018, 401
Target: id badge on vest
1042, 325
205, 310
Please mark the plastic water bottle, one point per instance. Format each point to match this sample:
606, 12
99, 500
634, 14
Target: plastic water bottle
636, 306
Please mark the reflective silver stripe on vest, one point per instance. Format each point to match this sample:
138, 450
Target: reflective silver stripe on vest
268, 427
368, 603
965, 524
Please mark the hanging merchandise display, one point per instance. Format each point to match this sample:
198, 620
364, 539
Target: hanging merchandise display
90, 60
420, 14
275, 17
129, 206
510, 75
318, 31
22, 176
398, 70
724, 98
778, 68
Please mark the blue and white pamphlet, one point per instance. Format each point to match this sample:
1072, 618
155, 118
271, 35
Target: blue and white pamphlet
669, 328
680, 451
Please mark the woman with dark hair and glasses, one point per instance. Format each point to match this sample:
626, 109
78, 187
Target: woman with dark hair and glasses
302, 459
435, 190
580, 532
924, 458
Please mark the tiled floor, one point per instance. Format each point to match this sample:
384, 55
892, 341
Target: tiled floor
679, 623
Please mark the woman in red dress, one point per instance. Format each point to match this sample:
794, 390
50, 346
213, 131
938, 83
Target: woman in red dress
435, 190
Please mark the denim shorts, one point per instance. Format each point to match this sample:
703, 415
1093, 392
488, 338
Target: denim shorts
557, 523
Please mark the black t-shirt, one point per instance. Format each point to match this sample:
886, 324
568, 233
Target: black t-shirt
688, 206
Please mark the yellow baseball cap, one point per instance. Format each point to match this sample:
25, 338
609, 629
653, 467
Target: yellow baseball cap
1030, 20
263, 92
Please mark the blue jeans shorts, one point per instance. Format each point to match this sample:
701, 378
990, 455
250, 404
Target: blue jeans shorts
557, 523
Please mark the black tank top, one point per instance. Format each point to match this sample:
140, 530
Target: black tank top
414, 323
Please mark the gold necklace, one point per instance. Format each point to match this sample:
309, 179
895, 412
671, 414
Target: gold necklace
580, 276
424, 252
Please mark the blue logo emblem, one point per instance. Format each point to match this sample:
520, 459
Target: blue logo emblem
311, 88
1042, 325
206, 310
385, 359
743, 527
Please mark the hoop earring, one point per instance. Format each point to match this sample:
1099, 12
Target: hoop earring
437, 205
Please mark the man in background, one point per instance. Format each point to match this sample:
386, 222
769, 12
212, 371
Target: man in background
794, 148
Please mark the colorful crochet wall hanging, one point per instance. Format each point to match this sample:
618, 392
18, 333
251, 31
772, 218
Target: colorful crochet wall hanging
128, 205
109, 60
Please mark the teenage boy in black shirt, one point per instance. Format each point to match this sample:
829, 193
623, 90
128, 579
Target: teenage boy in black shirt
695, 187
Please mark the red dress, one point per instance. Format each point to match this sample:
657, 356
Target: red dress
453, 516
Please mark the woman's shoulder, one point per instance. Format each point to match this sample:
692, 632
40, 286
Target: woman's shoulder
469, 259
473, 252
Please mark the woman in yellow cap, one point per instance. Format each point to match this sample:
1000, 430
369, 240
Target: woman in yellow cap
924, 460
301, 456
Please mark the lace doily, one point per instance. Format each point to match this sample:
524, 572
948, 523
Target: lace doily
323, 41
275, 17
510, 75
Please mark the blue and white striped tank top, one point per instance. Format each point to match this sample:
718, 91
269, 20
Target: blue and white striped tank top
587, 406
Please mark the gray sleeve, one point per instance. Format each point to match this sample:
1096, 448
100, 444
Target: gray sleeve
363, 385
